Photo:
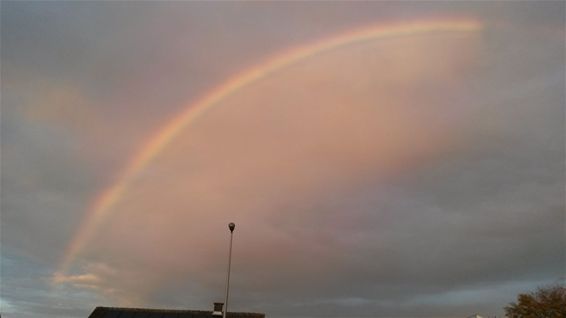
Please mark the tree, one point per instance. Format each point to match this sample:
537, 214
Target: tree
546, 302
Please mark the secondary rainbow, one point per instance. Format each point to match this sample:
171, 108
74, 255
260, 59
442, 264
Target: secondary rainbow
101, 207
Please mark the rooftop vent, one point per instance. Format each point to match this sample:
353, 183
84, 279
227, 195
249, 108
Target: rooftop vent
217, 309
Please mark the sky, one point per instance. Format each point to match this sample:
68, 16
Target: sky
379, 159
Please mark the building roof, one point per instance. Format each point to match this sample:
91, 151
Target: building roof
114, 312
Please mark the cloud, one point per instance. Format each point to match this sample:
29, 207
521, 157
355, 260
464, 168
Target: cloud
83, 280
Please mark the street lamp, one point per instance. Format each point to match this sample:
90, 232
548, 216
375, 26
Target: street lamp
231, 226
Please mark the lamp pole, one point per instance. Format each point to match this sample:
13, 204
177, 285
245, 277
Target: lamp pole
231, 226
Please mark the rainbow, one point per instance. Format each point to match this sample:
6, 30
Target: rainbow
101, 207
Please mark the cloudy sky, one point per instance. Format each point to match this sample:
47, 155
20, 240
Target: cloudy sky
412, 173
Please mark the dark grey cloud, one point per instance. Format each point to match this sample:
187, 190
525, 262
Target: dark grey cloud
27, 292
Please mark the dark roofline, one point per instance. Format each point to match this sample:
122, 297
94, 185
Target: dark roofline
172, 311
101, 311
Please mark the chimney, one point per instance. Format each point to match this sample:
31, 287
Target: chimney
217, 309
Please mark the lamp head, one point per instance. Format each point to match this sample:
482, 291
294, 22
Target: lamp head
231, 226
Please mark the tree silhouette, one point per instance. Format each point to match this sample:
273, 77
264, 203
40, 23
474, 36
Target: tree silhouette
546, 302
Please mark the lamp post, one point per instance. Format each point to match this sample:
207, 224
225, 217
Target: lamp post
231, 226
